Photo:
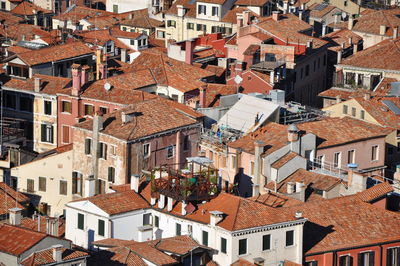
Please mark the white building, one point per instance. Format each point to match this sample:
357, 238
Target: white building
234, 226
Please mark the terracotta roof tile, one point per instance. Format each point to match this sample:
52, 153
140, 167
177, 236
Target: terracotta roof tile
16, 240
112, 242
375, 192
27, 9
179, 245
81, 12
215, 91
55, 53
371, 22
346, 222
336, 38
118, 202
251, 2
49, 85
31, 224
252, 49
45, 257
276, 200
231, 15
190, 7
242, 262
10, 198
18, 32
150, 253
318, 12
121, 255
284, 159
141, 19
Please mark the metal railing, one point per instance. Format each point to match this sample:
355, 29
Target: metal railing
327, 168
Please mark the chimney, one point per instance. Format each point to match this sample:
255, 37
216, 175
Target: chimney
130, 16
169, 204
396, 175
293, 133
85, 75
126, 117
202, 96
355, 48
123, 55
323, 30
246, 18
309, 46
37, 84
98, 121
161, 201
76, 79
382, 29
350, 173
350, 23
15, 215
337, 17
272, 77
89, 187
189, 47
299, 186
290, 188
338, 100
298, 215
183, 210
301, 15
57, 253
259, 261
181, 10
258, 150
339, 56
216, 217
275, 15
39, 222
350, 40
395, 32
239, 23
367, 96
48, 226
55, 227
135, 183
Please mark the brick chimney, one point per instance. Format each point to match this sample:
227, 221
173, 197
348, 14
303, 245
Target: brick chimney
202, 96
258, 150
85, 74
76, 79
275, 15
189, 47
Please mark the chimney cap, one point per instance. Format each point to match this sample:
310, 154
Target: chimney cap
216, 213
298, 214
292, 128
16, 209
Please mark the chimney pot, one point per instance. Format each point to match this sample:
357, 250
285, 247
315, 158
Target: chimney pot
189, 47
216, 217
202, 97
85, 75
350, 40
367, 96
290, 187
298, 215
350, 23
76, 79
382, 29
135, 183
275, 15
339, 56
395, 32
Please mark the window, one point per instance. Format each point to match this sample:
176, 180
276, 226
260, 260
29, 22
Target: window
345, 260
170, 151
63, 187
100, 187
190, 26
350, 156
47, 133
100, 228
160, 34
102, 151
65, 134
66, 107
345, 109
47, 107
89, 109
336, 160
104, 110
186, 143
42, 183
81, 221
201, 27
132, 42
289, 238
214, 11
266, 242
393, 256
111, 174
205, 238
362, 114
242, 246
139, 42
374, 154
77, 183
251, 168
223, 245
113, 150
301, 73
353, 111
3, 5
146, 150
26, 104
146, 219
115, 8
233, 161
202, 9
156, 221
215, 29
223, 161
88, 146
178, 229
30, 185
171, 23
366, 258
124, 28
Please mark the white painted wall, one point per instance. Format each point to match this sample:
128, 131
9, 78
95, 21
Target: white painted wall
128, 5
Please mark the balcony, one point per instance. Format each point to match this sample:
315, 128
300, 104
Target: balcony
195, 182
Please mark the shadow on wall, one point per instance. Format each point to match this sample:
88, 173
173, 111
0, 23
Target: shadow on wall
244, 184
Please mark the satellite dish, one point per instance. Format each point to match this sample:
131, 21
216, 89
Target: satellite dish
107, 86
238, 79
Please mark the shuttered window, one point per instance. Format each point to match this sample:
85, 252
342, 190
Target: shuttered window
178, 229
42, 183
30, 185
266, 242
76, 183
205, 238
366, 258
146, 219
47, 133
65, 132
111, 174
63, 187
101, 228
242, 246
223, 245
88, 146
100, 187
81, 221
102, 151
156, 221
289, 238
66, 107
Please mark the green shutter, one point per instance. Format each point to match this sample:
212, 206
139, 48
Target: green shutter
51, 134
178, 229
266, 245
223, 245
205, 238
101, 228
156, 221
74, 182
43, 132
242, 246
80, 221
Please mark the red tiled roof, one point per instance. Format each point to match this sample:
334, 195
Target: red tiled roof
187, 4
45, 257
346, 222
55, 53
284, 159
252, 49
336, 38
81, 12
242, 262
118, 202
379, 56
153, 116
370, 23
140, 18
275, 200
215, 91
179, 245
10, 198
251, 2
317, 12
121, 256
375, 192
112, 242
50, 85
16, 240
231, 15
27, 9
18, 32
31, 224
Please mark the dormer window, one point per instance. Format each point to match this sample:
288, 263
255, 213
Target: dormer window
202, 10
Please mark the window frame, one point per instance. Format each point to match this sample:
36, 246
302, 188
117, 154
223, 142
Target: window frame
223, 245
292, 238
101, 229
204, 238
41, 180
62, 183
80, 220
46, 104
63, 109
240, 245
171, 149
146, 155
266, 244
375, 153
85, 111
353, 159
178, 229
